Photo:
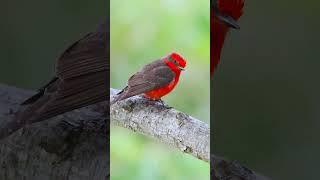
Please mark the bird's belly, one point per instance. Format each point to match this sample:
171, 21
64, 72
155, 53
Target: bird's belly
156, 94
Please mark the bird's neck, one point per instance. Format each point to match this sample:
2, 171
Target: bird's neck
219, 31
173, 67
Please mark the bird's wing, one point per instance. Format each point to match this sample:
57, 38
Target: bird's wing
87, 55
84, 65
81, 78
152, 76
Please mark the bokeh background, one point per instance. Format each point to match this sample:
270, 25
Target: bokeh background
143, 31
34, 33
266, 91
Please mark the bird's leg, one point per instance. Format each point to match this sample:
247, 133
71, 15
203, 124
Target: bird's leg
160, 101
153, 101
163, 104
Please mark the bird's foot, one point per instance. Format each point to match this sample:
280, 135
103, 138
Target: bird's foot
163, 104
154, 101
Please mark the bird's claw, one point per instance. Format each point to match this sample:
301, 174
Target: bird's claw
160, 101
163, 104
154, 101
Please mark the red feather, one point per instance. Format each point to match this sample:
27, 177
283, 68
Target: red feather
162, 91
233, 8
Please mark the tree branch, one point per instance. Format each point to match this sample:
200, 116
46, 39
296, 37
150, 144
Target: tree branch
74, 145
232, 170
169, 126
178, 130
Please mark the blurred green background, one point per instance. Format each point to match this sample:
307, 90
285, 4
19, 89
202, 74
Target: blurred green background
266, 91
143, 31
34, 33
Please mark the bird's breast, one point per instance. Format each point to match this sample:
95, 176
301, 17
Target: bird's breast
162, 91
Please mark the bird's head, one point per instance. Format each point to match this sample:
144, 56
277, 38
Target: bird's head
176, 62
228, 11
224, 15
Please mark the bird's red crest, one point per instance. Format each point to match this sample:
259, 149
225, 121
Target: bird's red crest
182, 62
233, 8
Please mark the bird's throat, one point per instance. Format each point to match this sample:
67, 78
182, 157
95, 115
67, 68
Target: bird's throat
173, 67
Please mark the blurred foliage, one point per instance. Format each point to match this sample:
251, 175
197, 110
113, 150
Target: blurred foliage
34, 33
143, 31
135, 157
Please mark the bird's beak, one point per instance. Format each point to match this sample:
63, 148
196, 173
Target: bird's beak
230, 21
181, 68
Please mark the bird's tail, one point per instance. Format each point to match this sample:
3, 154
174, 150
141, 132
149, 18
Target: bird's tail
39, 94
119, 96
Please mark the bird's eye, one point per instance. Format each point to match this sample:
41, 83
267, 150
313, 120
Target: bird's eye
173, 60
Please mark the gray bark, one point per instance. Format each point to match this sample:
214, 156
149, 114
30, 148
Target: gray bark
69, 146
75, 145
169, 126
222, 169
178, 130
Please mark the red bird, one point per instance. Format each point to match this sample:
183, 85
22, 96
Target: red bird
224, 15
154, 80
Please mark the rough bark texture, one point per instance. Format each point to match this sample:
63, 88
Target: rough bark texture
222, 169
169, 126
69, 146
76, 145
176, 129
